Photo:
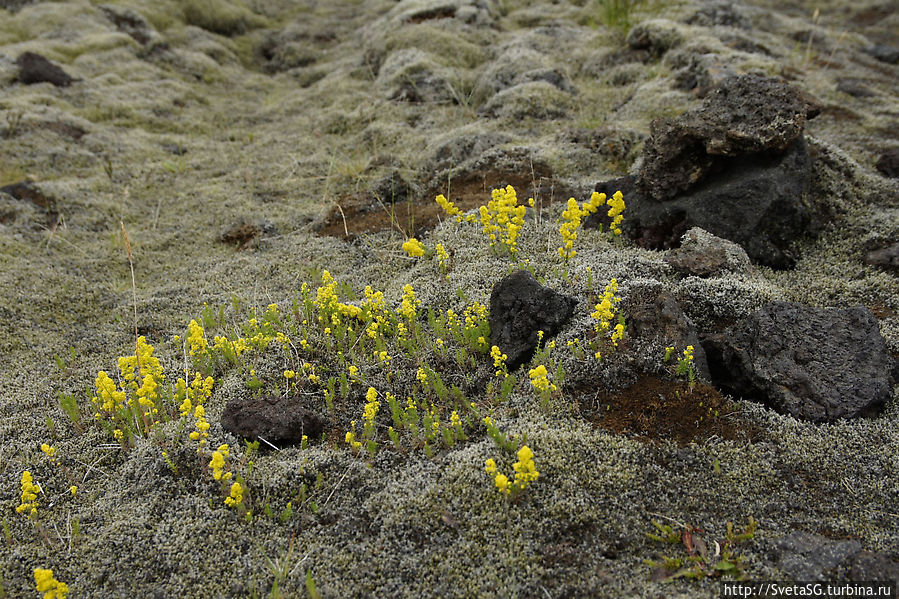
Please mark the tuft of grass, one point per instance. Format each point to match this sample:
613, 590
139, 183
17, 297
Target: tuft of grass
228, 18
618, 14
705, 557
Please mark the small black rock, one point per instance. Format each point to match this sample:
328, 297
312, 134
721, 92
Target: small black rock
519, 308
34, 68
817, 364
888, 163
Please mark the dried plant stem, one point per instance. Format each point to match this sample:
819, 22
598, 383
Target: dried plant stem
143, 415
133, 292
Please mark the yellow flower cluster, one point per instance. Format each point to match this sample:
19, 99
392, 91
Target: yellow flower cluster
227, 347
370, 410
30, 490
616, 207
414, 248
455, 420
326, 299
149, 364
217, 463
442, 257
525, 473
374, 307
350, 438
477, 324
409, 304
448, 207
108, 397
540, 381
606, 309
525, 469
202, 432
572, 218
502, 218
196, 339
604, 312
684, 364
48, 585
235, 497
499, 361
50, 451
199, 391
383, 357
142, 381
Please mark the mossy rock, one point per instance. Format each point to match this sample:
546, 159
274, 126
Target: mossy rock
224, 17
534, 100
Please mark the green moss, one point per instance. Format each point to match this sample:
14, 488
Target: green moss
91, 44
447, 47
225, 17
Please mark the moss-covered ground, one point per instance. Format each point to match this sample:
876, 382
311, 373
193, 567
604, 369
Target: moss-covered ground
280, 114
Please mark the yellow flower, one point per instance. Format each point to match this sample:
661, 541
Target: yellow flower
409, 304
48, 585
30, 490
371, 409
196, 338
289, 374
568, 230
50, 451
108, 397
502, 483
490, 467
449, 207
525, 454
217, 463
616, 207
414, 248
442, 257
540, 381
235, 497
502, 218
455, 421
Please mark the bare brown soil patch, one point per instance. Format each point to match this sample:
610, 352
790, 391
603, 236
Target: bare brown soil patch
357, 214
655, 408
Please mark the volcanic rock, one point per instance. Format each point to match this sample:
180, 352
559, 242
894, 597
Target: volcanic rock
519, 308
34, 68
662, 319
747, 114
817, 364
704, 255
806, 556
888, 163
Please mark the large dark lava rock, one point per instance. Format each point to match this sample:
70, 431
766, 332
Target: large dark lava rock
817, 364
747, 114
519, 307
736, 166
806, 556
759, 205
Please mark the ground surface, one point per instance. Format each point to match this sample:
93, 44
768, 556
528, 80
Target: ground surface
227, 137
